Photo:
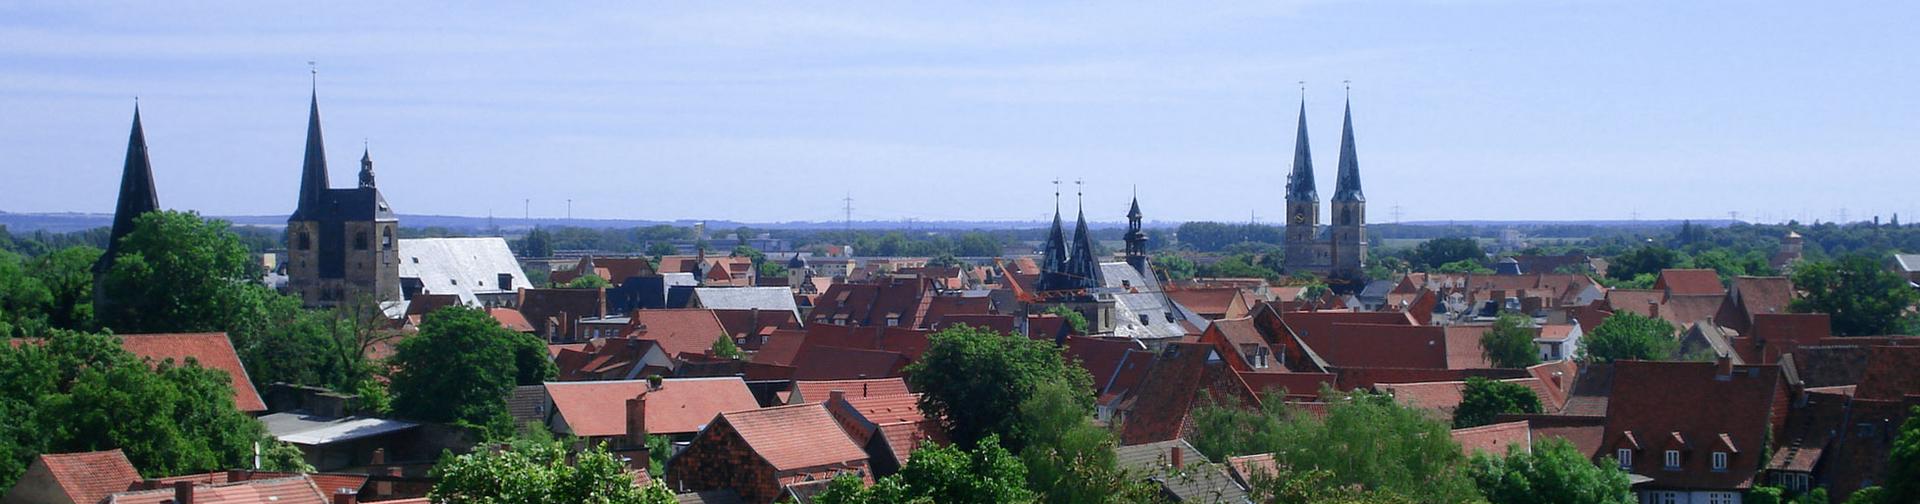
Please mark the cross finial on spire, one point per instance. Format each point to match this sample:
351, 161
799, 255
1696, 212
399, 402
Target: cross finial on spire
1303, 91
1349, 85
314, 76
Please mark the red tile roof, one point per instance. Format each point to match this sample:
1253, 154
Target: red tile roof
1101, 358
817, 390
1299, 386
795, 437
680, 406
1689, 282
1384, 345
903, 299
289, 490
1463, 347
1584, 432
748, 324
780, 348
1654, 403
1181, 373
511, 319
1211, 303
87, 477
211, 350
688, 330
1442, 398
1892, 373
997, 323
553, 312
903, 340
900, 421
1494, 439
819, 362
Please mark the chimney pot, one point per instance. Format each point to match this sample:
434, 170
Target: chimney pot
183, 492
1177, 456
346, 496
637, 420
1725, 367
837, 396
379, 457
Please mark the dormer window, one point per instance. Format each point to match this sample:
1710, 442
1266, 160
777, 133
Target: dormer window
1625, 456
1673, 460
1719, 461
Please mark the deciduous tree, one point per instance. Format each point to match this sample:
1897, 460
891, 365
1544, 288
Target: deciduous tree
1509, 344
1554, 471
461, 367
972, 378
1628, 335
540, 472
1863, 297
1485, 399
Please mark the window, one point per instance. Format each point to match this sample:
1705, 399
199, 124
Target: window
386, 239
1719, 461
1721, 498
1665, 498
1673, 460
1144, 320
893, 321
360, 240
306, 241
1625, 456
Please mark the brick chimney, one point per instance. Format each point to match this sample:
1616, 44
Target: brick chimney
837, 396
1177, 456
383, 487
379, 457
637, 420
346, 496
1723, 368
183, 492
1653, 308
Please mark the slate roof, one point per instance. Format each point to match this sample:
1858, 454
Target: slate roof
1494, 439
680, 406
461, 266
87, 477
211, 350
794, 437
1142, 298
1197, 480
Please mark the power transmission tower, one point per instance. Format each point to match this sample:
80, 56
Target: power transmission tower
848, 201
1396, 213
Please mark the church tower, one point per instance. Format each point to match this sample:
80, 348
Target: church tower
1136, 239
137, 196
1303, 205
1348, 235
341, 243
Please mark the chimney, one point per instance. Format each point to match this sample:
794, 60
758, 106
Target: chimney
1653, 308
383, 487
1177, 456
346, 496
183, 492
379, 457
1723, 368
837, 396
637, 420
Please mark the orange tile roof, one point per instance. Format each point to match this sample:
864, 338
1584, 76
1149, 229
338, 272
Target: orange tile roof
818, 390
211, 350
89, 476
1463, 347
1689, 282
1494, 439
291, 490
1216, 302
900, 420
795, 437
687, 330
681, 405
511, 319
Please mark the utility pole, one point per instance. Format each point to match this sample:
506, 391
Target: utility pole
1733, 215
849, 210
569, 210
1396, 213
526, 210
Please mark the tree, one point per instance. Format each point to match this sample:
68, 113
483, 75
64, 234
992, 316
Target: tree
77, 391
1628, 335
1431, 254
1485, 399
772, 269
1068, 458
24, 300
1175, 266
971, 378
538, 243
661, 249
1863, 298
1554, 471
1313, 486
1903, 463
1509, 344
462, 366
1074, 319
724, 348
1364, 439
67, 275
179, 273
1647, 259
943, 474
1464, 266
540, 472
587, 281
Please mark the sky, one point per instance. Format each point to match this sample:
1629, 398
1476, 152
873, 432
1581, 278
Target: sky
774, 112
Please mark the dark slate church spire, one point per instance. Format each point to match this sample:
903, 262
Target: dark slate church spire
313, 173
366, 168
1082, 267
1300, 186
1053, 257
1347, 188
137, 195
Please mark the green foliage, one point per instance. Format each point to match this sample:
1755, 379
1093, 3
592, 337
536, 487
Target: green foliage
1647, 259
587, 282
659, 449
537, 243
1074, 319
724, 348
1433, 254
179, 273
1068, 458
1485, 399
1903, 462
82, 392
539, 472
1554, 471
1627, 335
1869, 495
24, 300
1387, 268
1176, 266
1509, 344
1766, 495
1464, 266
1242, 266
283, 457
1863, 297
1315, 486
1365, 439
772, 269
462, 366
1729, 264
942, 474
971, 378
661, 249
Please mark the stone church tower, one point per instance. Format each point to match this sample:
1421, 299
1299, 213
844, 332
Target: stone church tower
1341, 252
1349, 233
341, 243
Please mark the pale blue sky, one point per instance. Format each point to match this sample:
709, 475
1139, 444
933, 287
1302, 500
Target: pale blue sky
771, 112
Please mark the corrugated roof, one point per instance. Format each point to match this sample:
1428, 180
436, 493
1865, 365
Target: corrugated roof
461, 266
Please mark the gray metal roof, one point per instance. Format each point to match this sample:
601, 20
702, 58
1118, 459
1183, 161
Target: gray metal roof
1141, 296
460, 266
310, 430
1908, 262
746, 298
1197, 480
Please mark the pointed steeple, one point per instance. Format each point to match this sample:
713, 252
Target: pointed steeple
137, 194
366, 168
1053, 256
313, 173
1136, 238
1082, 265
1300, 186
1347, 187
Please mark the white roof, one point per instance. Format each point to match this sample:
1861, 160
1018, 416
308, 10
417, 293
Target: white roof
1142, 297
460, 266
1908, 262
746, 298
314, 430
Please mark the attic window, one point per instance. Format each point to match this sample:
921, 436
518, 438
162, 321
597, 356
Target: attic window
1673, 460
1625, 456
1719, 461
416, 260
1144, 320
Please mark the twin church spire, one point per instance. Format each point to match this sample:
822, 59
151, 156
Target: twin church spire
1300, 184
1063, 269
1341, 252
